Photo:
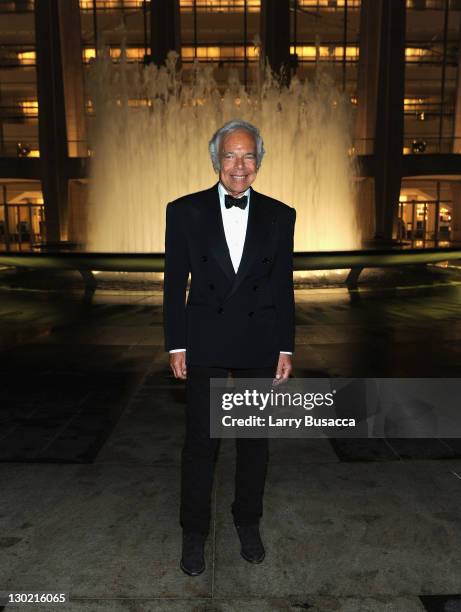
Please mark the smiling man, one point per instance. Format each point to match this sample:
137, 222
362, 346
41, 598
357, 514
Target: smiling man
237, 244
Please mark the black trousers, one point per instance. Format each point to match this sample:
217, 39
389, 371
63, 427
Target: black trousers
200, 453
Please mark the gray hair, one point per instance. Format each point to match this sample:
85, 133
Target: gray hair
232, 126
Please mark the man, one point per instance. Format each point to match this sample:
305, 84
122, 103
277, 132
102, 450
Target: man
239, 318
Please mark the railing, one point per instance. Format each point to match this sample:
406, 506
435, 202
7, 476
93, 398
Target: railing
421, 144
413, 145
22, 225
220, 6
427, 54
416, 144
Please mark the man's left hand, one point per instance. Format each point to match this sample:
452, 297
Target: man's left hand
284, 369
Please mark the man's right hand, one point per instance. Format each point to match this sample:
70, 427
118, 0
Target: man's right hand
178, 364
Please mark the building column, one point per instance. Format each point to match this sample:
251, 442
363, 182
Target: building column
275, 36
379, 119
61, 100
455, 187
165, 29
73, 77
389, 117
367, 78
365, 118
74, 107
457, 119
52, 119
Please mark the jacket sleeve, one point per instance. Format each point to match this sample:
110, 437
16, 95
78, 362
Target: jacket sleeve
283, 290
177, 269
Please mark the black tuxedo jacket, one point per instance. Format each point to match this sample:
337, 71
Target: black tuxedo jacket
230, 320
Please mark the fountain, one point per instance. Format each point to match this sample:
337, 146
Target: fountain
150, 131
149, 134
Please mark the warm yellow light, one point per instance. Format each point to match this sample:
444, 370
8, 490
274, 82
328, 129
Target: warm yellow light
304, 51
219, 53
34, 153
88, 54
351, 52
253, 6
87, 5
328, 4
187, 53
412, 101
403, 198
29, 107
131, 53
220, 6
139, 102
214, 52
415, 53
27, 58
310, 52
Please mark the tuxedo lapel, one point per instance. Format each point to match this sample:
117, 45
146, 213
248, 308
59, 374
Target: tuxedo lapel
259, 223
216, 237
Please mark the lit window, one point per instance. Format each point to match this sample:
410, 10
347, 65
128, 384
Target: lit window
29, 107
27, 58
221, 6
330, 52
87, 5
329, 4
219, 53
133, 54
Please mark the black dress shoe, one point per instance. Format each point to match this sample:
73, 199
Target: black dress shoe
252, 547
193, 558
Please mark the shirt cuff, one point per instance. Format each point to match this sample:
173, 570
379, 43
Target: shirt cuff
286, 353
178, 351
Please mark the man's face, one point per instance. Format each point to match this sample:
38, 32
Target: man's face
237, 156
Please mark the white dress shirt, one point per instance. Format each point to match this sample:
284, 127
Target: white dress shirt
235, 221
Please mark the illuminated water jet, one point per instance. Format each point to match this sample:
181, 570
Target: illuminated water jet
150, 130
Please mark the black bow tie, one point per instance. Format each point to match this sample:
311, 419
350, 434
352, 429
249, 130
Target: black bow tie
229, 201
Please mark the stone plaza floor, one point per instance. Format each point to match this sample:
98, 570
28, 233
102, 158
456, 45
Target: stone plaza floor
90, 440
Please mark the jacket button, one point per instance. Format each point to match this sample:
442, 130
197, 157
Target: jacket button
220, 310
204, 258
211, 286
250, 314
